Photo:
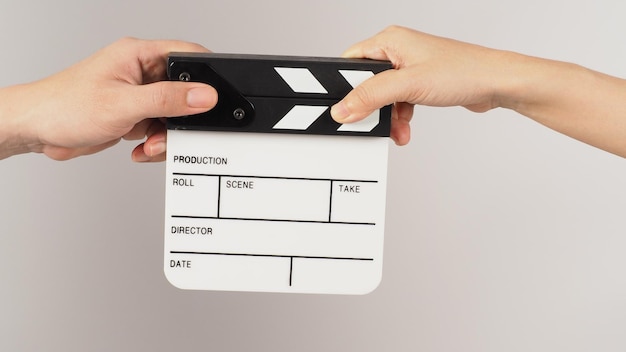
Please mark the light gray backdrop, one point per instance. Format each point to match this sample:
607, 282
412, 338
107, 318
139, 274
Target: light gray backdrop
501, 235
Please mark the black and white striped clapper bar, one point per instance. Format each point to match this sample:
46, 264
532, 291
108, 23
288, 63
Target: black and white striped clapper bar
266, 192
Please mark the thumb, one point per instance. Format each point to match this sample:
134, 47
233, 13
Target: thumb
169, 99
383, 89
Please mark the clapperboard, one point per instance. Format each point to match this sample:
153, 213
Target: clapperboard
266, 192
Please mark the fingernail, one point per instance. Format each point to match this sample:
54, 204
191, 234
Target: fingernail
339, 112
141, 158
139, 155
201, 97
157, 148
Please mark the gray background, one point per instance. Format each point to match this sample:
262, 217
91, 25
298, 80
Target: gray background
501, 235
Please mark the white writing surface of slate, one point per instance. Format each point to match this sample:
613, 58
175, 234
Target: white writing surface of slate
275, 212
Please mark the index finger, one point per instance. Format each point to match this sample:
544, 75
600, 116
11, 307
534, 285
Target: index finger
152, 56
366, 49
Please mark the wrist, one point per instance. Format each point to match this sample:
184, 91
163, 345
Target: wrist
530, 84
16, 133
512, 90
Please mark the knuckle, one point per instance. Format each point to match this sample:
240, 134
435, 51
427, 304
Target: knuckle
394, 29
160, 98
124, 41
363, 96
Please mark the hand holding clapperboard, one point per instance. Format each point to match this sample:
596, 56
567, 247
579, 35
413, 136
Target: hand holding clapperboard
266, 192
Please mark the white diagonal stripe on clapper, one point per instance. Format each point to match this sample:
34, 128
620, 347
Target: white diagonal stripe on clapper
300, 117
356, 77
365, 125
300, 80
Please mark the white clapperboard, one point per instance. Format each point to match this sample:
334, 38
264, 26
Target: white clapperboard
266, 192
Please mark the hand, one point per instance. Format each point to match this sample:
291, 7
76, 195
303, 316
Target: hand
116, 93
428, 70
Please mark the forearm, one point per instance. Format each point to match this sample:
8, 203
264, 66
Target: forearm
578, 102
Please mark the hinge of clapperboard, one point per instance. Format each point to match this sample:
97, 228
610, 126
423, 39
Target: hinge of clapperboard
277, 94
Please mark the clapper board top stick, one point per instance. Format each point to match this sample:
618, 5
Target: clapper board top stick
266, 192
